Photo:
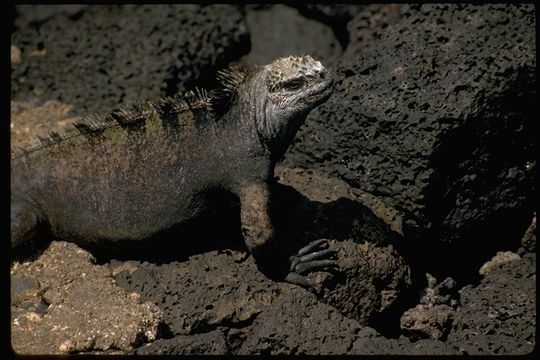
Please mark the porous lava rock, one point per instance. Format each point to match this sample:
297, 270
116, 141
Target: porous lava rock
435, 118
499, 315
111, 55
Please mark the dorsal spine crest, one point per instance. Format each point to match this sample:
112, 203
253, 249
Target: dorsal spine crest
204, 105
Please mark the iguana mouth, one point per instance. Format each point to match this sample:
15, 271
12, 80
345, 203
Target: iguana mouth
321, 92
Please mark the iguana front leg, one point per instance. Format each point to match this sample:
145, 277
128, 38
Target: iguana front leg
271, 257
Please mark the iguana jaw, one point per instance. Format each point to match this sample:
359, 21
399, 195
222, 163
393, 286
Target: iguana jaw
319, 93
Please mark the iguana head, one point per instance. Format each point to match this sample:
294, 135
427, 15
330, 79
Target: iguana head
277, 97
294, 86
297, 84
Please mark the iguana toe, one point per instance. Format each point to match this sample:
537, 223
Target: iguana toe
313, 257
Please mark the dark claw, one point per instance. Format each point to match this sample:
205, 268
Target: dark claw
302, 268
323, 254
295, 260
311, 246
313, 256
299, 280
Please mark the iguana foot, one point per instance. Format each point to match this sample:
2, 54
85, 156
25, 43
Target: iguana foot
315, 256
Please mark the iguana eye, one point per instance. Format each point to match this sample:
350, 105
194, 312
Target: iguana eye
293, 84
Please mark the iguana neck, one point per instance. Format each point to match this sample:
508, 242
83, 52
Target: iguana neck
275, 133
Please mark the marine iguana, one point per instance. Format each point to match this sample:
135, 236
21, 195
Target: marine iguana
145, 168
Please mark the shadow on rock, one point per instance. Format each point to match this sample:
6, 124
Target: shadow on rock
202, 278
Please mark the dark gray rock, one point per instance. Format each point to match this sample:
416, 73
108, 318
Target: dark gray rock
217, 288
499, 315
366, 27
378, 345
313, 205
225, 289
370, 281
528, 241
34, 15
434, 118
290, 34
337, 16
296, 324
211, 343
113, 55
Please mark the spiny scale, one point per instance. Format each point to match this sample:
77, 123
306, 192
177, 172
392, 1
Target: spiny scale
197, 99
204, 105
92, 122
232, 77
133, 114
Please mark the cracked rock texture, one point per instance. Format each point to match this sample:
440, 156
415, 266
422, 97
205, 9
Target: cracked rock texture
433, 117
55, 310
114, 55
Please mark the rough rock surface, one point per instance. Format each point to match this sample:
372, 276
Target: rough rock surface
435, 119
373, 275
499, 315
314, 205
210, 343
217, 288
443, 293
268, 45
224, 288
296, 324
528, 241
366, 27
370, 280
432, 322
378, 345
114, 55
55, 310
499, 258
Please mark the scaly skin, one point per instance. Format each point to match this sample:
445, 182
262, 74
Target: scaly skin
137, 172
